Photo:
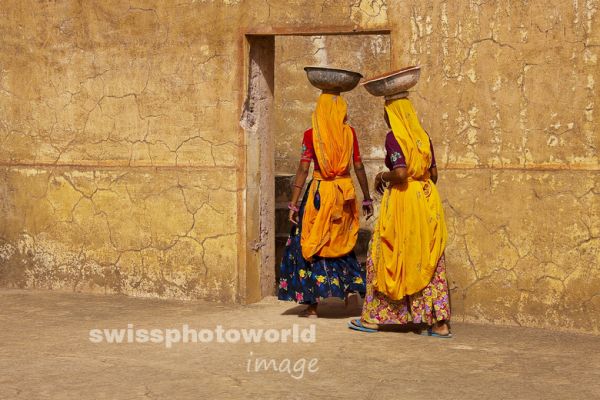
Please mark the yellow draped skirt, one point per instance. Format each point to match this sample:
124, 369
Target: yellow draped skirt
412, 237
331, 229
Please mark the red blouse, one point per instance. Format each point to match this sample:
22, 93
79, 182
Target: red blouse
308, 149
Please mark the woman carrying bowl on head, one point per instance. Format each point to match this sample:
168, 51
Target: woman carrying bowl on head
319, 260
406, 271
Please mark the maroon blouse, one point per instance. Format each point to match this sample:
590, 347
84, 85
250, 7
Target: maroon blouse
394, 156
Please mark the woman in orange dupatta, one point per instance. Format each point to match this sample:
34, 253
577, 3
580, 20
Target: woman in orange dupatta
319, 260
406, 272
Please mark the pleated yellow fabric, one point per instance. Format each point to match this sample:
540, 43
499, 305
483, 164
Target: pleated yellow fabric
411, 232
332, 229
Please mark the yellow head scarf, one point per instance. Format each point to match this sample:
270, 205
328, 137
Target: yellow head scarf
411, 136
410, 235
332, 137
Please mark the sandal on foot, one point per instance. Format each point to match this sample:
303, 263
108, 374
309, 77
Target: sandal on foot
357, 325
431, 333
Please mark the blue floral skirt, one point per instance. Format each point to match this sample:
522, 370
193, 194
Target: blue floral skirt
308, 282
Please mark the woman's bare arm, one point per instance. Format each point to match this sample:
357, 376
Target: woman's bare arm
397, 176
361, 175
301, 175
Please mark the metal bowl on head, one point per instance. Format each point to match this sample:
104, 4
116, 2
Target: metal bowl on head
332, 80
393, 83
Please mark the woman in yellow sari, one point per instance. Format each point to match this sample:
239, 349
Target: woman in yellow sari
319, 260
406, 272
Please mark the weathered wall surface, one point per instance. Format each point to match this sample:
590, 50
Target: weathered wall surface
509, 95
118, 149
122, 166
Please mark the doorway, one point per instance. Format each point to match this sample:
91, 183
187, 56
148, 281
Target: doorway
277, 110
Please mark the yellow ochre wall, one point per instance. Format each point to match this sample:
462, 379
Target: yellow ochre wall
123, 163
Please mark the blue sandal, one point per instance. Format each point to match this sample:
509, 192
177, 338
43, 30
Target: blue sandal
430, 332
357, 325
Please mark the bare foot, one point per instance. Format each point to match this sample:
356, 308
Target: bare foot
351, 300
309, 312
441, 328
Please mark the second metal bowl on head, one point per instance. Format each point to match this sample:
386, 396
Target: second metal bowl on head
332, 80
393, 83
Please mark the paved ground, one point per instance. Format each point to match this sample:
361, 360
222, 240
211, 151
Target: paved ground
46, 353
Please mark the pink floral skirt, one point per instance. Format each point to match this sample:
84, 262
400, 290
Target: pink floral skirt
430, 305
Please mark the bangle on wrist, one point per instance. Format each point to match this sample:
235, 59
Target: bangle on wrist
383, 179
293, 207
367, 202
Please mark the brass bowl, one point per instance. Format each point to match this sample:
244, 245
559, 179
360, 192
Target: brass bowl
332, 80
393, 83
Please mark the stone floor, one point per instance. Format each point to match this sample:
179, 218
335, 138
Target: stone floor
46, 353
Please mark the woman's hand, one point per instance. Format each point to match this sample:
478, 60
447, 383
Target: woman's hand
293, 217
368, 210
380, 185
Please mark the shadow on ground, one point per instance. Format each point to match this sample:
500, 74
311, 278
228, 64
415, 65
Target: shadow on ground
329, 309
